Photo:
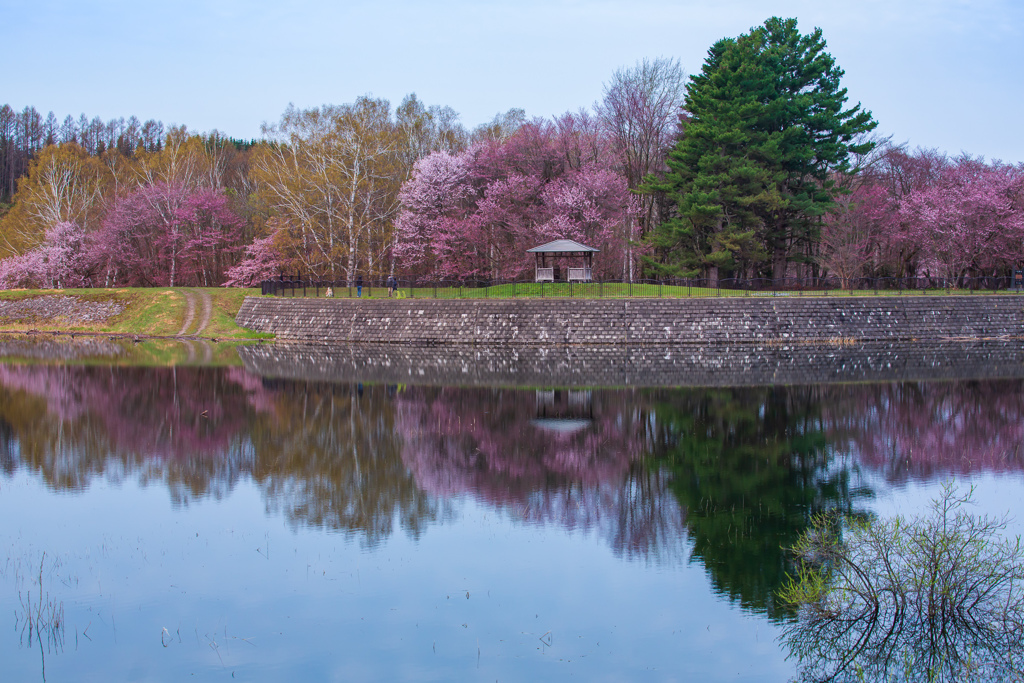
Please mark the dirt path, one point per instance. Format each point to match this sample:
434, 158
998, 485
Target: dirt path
190, 312
196, 302
207, 304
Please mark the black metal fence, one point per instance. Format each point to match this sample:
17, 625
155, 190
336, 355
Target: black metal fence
297, 286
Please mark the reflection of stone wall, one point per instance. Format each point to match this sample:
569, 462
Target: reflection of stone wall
46, 347
733, 320
716, 365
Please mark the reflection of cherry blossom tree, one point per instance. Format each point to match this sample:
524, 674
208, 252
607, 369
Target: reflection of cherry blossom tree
735, 470
928, 429
258, 395
181, 425
491, 444
327, 455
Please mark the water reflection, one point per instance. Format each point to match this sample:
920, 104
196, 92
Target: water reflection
937, 598
729, 475
187, 427
570, 458
330, 455
922, 430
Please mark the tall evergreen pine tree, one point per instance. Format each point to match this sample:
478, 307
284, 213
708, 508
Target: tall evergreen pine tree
765, 129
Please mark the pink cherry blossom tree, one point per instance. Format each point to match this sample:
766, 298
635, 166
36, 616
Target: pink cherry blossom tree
969, 221
433, 224
476, 213
61, 261
262, 261
167, 234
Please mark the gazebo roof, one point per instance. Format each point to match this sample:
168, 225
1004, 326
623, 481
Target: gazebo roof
561, 247
560, 425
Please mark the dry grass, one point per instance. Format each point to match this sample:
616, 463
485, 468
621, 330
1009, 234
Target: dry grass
157, 312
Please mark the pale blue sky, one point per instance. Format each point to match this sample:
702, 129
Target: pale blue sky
936, 73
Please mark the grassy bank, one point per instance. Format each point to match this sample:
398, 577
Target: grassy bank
613, 290
206, 313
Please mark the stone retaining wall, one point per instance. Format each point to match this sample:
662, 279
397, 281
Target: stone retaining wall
553, 322
645, 366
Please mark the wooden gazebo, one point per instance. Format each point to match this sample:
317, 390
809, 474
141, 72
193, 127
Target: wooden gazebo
564, 412
559, 249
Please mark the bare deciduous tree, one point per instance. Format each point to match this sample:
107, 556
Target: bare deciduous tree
640, 110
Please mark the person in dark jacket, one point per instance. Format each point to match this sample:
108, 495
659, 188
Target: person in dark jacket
359, 285
392, 284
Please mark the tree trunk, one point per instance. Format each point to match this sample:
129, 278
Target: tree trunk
779, 261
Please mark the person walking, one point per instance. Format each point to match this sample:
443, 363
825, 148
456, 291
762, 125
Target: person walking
359, 286
392, 284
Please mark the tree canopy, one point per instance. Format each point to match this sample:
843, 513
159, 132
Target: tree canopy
765, 128
756, 168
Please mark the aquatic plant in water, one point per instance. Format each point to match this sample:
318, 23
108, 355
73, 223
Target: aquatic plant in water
935, 598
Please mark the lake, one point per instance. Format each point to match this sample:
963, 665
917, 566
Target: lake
171, 523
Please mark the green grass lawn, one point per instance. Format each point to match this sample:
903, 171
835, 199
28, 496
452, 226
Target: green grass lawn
612, 290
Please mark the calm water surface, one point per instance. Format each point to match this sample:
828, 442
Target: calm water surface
169, 524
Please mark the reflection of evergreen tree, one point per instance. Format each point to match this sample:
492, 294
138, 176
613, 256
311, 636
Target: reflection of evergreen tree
750, 466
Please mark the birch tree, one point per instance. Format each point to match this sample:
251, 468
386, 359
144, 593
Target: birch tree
64, 185
330, 175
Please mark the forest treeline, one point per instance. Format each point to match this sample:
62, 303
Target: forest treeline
756, 166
